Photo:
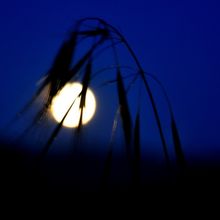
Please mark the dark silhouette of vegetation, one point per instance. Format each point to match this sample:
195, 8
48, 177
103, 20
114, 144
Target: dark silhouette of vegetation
67, 67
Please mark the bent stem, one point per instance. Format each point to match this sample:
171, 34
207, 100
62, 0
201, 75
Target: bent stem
157, 118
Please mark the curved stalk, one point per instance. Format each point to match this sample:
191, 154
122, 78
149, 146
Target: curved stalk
141, 72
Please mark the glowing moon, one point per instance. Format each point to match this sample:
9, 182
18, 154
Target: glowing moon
63, 100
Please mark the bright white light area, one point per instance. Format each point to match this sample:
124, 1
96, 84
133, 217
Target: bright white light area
63, 100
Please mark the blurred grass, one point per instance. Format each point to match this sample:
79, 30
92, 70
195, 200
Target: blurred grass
67, 67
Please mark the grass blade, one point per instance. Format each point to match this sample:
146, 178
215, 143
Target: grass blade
85, 84
63, 58
108, 161
61, 66
92, 33
79, 65
177, 145
124, 111
54, 134
61, 73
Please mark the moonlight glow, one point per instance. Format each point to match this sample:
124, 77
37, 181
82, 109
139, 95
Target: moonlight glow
63, 100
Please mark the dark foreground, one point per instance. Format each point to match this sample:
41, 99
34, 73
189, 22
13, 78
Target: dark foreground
79, 175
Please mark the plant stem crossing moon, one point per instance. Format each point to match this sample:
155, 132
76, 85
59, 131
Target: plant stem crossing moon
63, 100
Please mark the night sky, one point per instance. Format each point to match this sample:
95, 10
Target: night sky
178, 41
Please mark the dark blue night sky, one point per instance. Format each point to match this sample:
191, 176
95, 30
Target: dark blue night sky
178, 41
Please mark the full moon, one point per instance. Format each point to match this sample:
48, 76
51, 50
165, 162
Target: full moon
64, 99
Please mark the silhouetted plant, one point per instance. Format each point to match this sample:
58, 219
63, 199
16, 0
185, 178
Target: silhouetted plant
68, 67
